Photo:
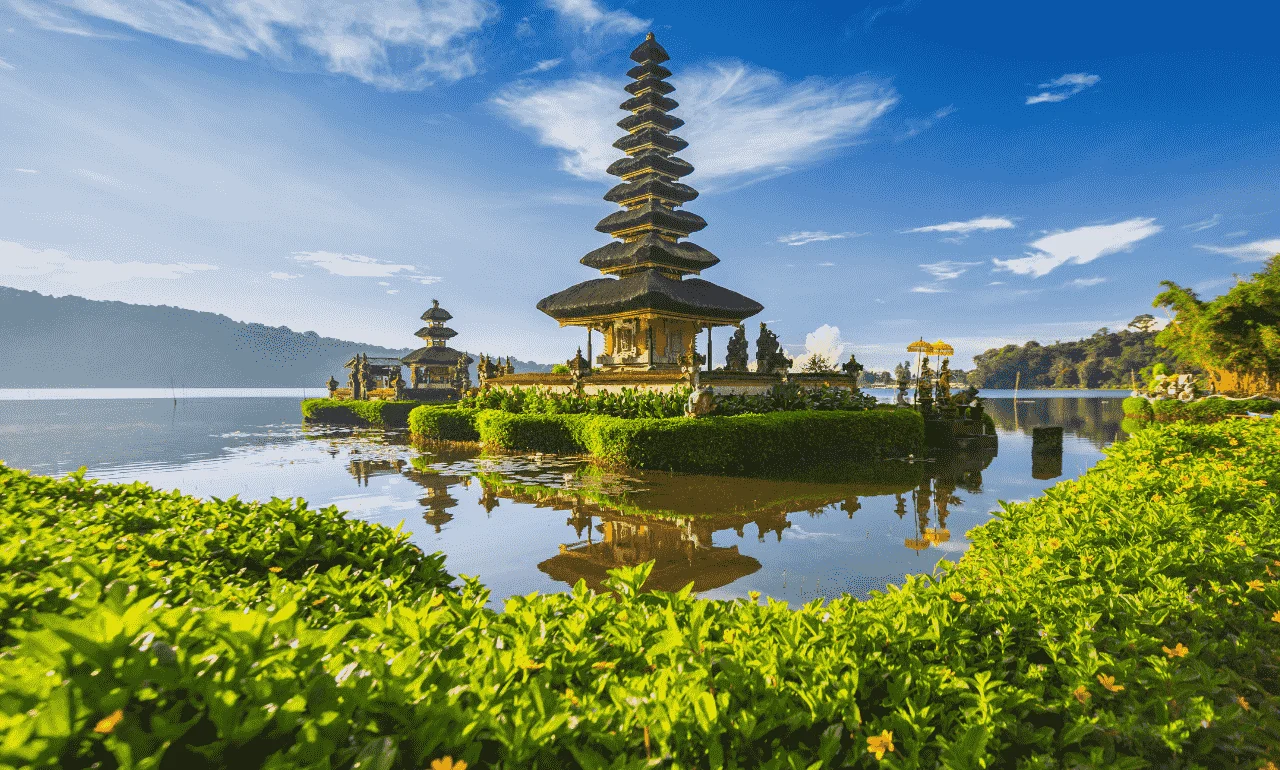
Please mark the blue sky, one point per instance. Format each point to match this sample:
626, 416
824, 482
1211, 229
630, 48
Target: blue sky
980, 174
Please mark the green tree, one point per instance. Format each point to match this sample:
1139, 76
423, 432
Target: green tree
817, 364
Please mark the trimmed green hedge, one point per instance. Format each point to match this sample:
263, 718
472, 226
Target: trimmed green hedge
388, 414
1126, 619
1203, 410
1137, 407
749, 443
443, 422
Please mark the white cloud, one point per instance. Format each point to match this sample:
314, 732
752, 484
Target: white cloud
826, 264
284, 276
393, 291
588, 16
928, 289
741, 119
802, 237
947, 270
1063, 88
352, 265
26, 171
1255, 251
392, 44
1079, 246
966, 227
1204, 224
426, 280
1084, 283
56, 266
917, 126
1237, 234
543, 66
51, 19
824, 341
4, 65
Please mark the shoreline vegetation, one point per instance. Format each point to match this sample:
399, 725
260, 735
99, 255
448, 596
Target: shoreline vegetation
1126, 618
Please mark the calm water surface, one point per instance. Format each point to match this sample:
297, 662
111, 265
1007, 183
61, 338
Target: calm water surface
526, 524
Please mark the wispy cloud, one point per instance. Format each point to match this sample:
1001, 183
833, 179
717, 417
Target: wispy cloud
26, 171
966, 227
4, 65
1079, 246
1254, 251
360, 266
1084, 283
917, 126
1204, 224
1063, 88
826, 264
1237, 234
279, 276
929, 289
741, 120
543, 66
57, 266
49, 18
589, 16
392, 44
947, 270
802, 237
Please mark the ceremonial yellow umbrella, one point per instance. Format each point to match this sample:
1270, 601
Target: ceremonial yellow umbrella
919, 347
941, 348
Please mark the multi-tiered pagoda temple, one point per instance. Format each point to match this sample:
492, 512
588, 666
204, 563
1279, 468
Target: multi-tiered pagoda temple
436, 365
647, 307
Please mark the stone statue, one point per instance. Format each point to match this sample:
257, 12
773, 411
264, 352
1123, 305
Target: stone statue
942, 388
701, 402
736, 358
398, 384
852, 368
769, 355
904, 386
924, 387
332, 384
511, 367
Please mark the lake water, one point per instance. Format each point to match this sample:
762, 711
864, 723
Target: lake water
526, 524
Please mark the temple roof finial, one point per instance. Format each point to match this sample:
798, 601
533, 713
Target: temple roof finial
649, 36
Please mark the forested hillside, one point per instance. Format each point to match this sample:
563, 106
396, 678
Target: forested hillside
1107, 359
54, 342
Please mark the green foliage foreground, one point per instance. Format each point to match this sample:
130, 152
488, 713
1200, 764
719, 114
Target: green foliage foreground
1203, 410
743, 444
1130, 618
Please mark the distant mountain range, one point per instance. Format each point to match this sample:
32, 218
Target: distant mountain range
69, 342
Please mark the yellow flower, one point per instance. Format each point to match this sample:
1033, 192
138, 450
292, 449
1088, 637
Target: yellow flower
1178, 651
109, 722
1157, 497
532, 665
1054, 542
1256, 585
1082, 694
275, 569
1276, 617
1269, 766
729, 636
223, 525
447, 763
1235, 540
1244, 704
1109, 682
879, 744
155, 563
956, 596
603, 664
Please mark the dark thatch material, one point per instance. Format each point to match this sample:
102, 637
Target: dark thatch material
660, 119
436, 356
648, 70
435, 333
376, 363
436, 313
654, 185
654, 215
649, 84
650, 250
650, 160
649, 51
649, 290
651, 136
649, 101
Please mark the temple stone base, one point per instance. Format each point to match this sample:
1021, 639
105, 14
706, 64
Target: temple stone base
725, 383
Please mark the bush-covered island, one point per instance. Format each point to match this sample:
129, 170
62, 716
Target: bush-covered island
1129, 618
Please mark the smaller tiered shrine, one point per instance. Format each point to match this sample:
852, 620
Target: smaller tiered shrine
437, 369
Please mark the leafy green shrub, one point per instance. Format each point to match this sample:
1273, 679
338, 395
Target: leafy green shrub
629, 402
1126, 619
560, 369
789, 396
1137, 407
389, 414
443, 422
749, 443
1209, 409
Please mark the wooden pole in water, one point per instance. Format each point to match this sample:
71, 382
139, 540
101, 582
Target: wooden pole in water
1017, 380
